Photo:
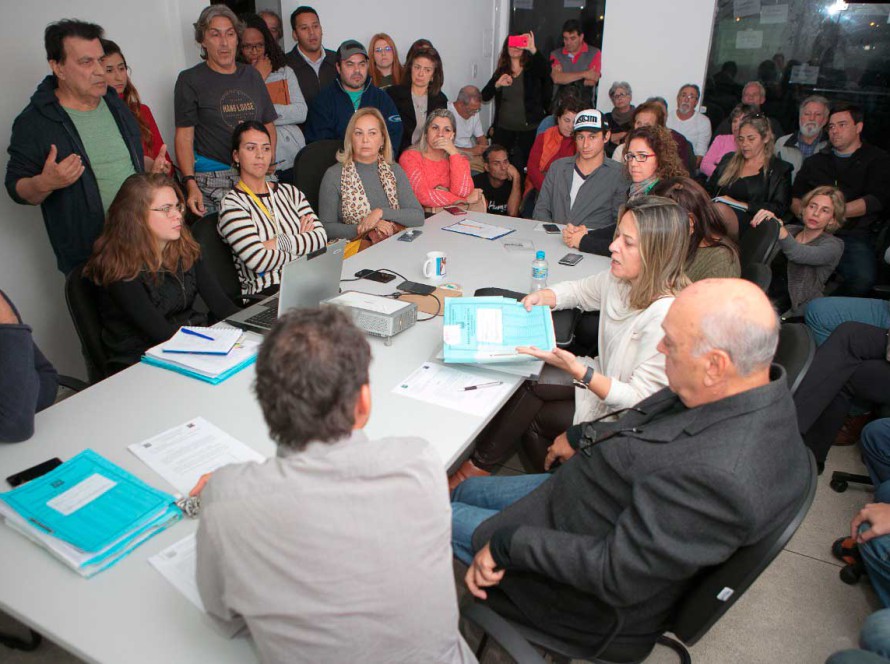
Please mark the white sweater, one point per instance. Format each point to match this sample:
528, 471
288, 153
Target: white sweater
628, 340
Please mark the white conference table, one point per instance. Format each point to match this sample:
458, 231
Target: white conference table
130, 613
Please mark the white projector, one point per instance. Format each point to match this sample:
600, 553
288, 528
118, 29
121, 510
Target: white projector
376, 315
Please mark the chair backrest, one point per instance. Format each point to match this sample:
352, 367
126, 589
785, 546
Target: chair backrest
80, 296
217, 255
720, 587
310, 166
795, 352
759, 274
758, 243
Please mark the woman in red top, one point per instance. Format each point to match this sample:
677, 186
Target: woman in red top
117, 75
438, 173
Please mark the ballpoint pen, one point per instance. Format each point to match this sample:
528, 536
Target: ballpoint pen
185, 330
481, 385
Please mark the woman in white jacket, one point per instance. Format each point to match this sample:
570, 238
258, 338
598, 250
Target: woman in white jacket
633, 296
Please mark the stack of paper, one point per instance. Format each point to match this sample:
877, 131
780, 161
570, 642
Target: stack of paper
203, 340
210, 368
482, 330
88, 512
478, 229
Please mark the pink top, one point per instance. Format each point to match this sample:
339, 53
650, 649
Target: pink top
437, 183
723, 144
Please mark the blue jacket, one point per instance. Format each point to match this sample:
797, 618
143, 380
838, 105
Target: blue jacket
74, 216
331, 110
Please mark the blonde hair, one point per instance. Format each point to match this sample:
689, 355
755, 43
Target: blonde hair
734, 167
663, 227
422, 145
838, 201
344, 156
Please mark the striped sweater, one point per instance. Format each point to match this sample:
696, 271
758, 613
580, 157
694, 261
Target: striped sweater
244, 227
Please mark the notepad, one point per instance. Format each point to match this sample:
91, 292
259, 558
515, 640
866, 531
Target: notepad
478, 229
202, 340
209, 368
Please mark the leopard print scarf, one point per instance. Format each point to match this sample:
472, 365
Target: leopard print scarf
354, 202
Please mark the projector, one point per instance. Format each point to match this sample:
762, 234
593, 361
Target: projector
376, 315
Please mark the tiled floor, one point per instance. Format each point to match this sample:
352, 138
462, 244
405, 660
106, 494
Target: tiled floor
799, 611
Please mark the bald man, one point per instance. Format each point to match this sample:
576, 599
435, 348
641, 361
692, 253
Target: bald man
677, 484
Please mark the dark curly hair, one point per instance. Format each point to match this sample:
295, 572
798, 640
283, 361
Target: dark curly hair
663, 145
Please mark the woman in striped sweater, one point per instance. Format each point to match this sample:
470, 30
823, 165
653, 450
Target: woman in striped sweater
267, 225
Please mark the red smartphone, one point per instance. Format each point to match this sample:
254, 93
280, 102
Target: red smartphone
517, 41
456, 211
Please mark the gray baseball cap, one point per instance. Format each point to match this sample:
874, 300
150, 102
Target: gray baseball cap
349, 48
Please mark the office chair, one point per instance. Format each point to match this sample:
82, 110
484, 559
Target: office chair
758, 243
795, 353
217, 255
80, 296
759, 274
310, 166
704, 603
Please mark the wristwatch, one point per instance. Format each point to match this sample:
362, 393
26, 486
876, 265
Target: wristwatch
186, 178
584, 383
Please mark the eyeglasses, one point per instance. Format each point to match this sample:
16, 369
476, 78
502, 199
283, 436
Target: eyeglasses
253, 47
619, 95
383, 49
168, 210
637, 156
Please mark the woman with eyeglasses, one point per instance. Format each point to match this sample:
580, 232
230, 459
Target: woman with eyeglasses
620, 118
149, 271
725, 144
419, 95
117, 76
647, 271
752, 179
384, 68
260, 50
266, 224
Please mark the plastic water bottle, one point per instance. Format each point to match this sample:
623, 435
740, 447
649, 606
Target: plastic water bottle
540, 271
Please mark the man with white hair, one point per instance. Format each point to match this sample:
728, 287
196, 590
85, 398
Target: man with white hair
810, 137
469, 138
753, 94
676, 485
686, 120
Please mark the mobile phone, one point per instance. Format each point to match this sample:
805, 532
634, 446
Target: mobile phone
410, 235
553, 229
570, 259
517, 41
375, 275
33, 472
456, 211
416, 288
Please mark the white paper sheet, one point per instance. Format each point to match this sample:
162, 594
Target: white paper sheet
749, 39
178, 564
774, 14
444, 386
182, 454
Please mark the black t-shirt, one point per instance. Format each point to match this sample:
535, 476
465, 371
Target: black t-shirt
496, 197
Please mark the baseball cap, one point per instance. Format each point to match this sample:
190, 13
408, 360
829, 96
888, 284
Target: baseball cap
590, 120
349, 48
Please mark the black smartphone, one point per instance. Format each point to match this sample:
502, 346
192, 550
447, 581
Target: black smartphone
375, 275
416, 288
410, 235
33, 472
551, 228
570, 259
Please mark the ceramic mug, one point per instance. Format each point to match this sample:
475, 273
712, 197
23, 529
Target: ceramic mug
435, 265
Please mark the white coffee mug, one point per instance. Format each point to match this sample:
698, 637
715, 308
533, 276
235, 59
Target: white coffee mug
435, 265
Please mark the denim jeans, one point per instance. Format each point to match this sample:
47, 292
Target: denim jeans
874, 639
876, 557
826, 313
875, 445
479, 498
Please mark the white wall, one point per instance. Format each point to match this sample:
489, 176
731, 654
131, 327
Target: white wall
655, 46
156, 38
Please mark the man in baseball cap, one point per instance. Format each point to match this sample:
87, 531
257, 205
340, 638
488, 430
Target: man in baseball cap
331, 110
584, 191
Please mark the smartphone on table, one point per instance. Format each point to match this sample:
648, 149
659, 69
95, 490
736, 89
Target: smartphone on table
456, 211
33, 472
375, 275
571, 259
552, 229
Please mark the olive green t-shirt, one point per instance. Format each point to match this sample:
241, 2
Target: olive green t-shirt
107, 152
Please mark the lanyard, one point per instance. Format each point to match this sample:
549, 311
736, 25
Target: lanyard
261, 205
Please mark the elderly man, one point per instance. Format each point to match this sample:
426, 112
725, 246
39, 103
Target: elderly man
469, 138
753, 94
706, 466
314, 65
687, 121
273, 22
333, 107
302, 546
810, 137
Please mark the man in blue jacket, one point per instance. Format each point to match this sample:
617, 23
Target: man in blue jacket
331, 110
74, 144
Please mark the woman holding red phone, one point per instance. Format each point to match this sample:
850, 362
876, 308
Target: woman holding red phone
519, 90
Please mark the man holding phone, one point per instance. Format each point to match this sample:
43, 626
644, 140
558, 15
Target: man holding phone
500, 183
576, 64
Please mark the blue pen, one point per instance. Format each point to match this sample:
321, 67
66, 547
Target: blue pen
185, 330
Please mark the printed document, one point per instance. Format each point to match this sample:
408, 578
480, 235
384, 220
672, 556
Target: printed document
445, 386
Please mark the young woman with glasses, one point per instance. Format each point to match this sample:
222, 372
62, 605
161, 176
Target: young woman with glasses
384, 68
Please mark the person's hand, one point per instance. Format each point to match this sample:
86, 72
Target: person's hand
555, 66
876, 514
446, 143
161, 165
483, 573
385, 228
560, 451
7, 315
530, 44
307, 223
591, 77
475, 196
559, 358
512, 173
195, 199
58, 175
199, 487
370, 221
504, 81
763, 215
572, 235
535, 299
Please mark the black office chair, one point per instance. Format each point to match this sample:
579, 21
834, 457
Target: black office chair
758, 244
759, 274
564, 320
217, 255
80, 296
795, 353
711, 595
310, 166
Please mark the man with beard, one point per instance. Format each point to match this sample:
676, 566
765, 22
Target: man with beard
810, 138
685, 120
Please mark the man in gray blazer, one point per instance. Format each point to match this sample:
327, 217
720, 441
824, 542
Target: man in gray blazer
676, 485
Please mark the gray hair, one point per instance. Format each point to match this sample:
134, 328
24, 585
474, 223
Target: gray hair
422, 145
758, 85
269, 12
749, 345
469, 93
658, 100
816, 99
620, 85
694, 86
210, 13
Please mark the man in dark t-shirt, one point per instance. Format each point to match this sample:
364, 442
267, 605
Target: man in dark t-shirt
500, 182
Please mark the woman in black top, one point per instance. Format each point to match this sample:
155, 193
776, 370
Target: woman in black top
751, 179
150, 271
419, 95
520, 88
